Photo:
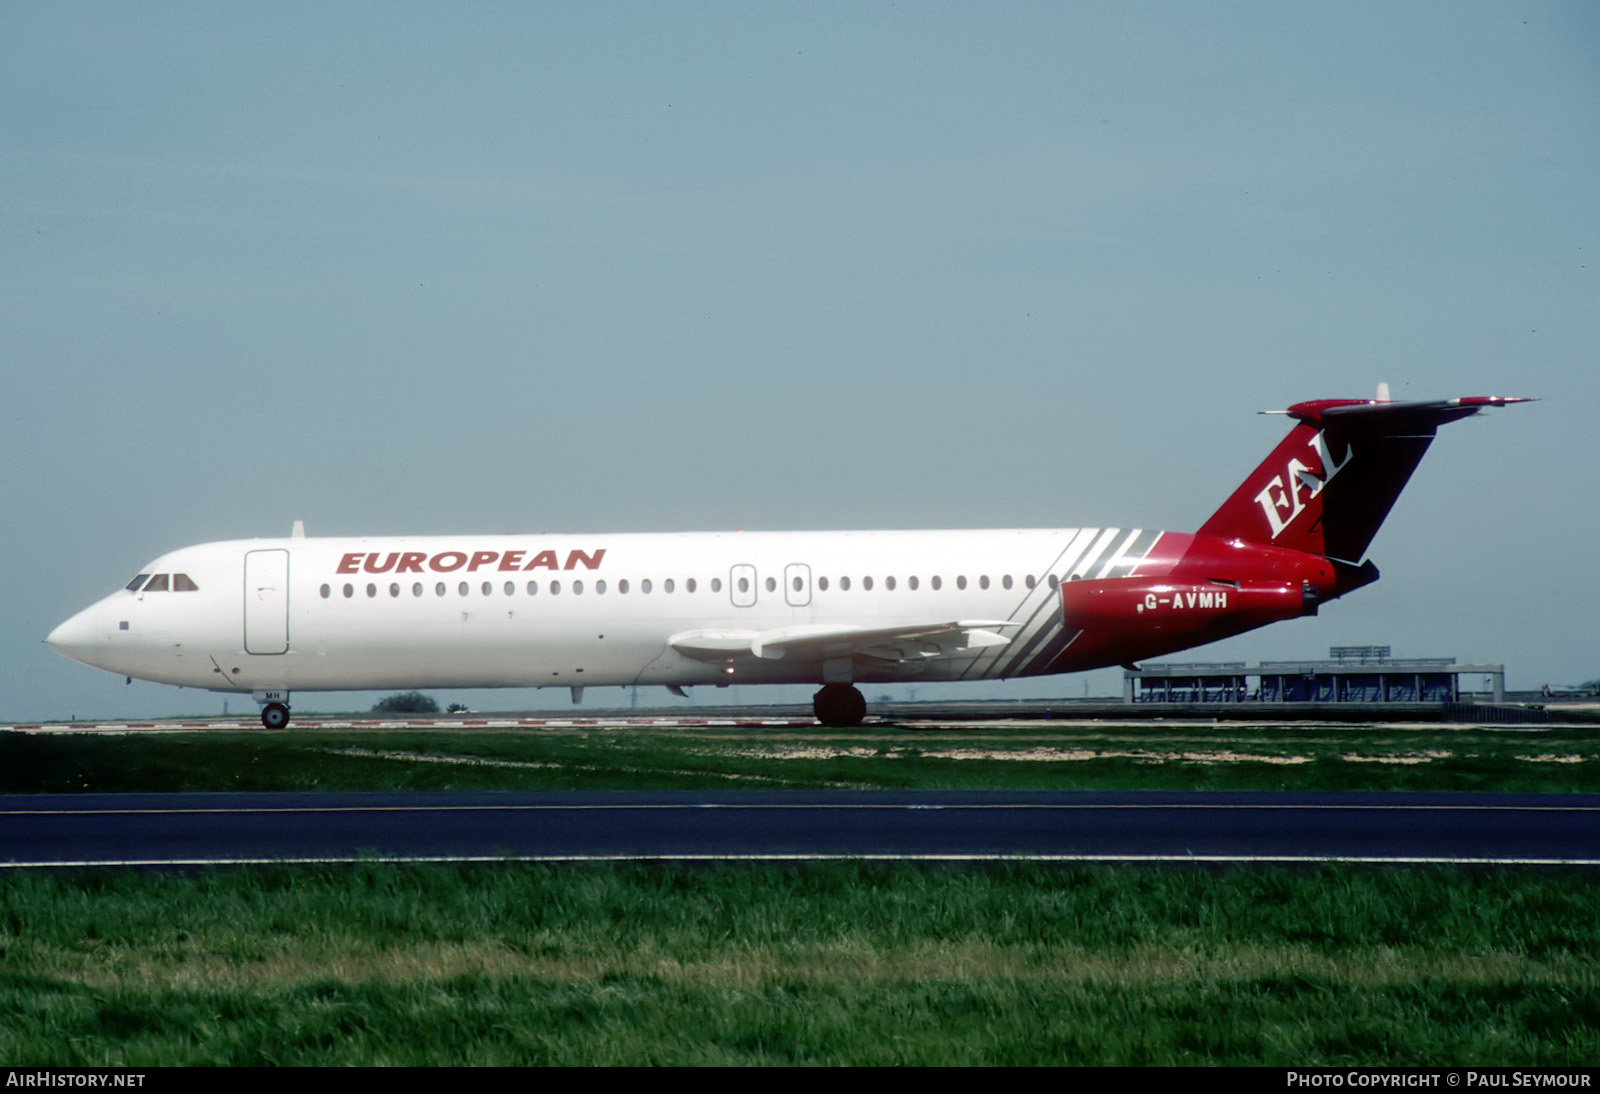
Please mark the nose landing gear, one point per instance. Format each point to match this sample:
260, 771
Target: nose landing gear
274, 708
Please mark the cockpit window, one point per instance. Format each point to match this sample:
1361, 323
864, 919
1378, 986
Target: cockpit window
160, 583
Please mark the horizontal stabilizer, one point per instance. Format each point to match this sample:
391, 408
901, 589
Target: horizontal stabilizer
1394, 419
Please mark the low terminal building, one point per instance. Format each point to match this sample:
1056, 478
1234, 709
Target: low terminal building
1352, 674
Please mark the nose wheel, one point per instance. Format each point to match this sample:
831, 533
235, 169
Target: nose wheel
274, 715
839, 705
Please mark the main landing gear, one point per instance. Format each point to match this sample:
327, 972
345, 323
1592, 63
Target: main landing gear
839, 705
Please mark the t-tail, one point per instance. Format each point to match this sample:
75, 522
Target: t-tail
1293, 535
1329, 485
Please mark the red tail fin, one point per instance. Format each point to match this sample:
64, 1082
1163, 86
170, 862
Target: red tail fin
1326, 489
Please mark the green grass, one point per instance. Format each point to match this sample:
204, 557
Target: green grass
1550, 759
829, 964
835, 963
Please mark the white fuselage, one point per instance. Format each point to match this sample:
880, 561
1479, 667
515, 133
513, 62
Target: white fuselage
593, 610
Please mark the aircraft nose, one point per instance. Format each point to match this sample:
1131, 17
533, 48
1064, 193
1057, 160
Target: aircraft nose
78, 636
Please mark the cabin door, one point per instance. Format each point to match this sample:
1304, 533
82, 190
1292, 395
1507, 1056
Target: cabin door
742, 585
797, 584
266, 602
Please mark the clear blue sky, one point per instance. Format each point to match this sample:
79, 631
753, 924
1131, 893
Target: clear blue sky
422, 268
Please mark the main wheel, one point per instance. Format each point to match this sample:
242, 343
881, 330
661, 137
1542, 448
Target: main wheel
839, 705
274, 715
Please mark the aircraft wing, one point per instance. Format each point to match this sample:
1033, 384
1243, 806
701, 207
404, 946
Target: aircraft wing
905, 642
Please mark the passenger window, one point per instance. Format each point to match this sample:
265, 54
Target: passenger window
488, 588
798, 584
644, 586
555, 588
844, 584
961, 581
182, 583
349, 591
533, 588
772, 584
888, 583
577, 588
158, 584
1005, 582
667, 586
1055, 582
326, 592
716, 584
394, 588
938, 582
866, 583
599, 588
463, 588
133, 586
822, 584
689, 585
511, 588
622, 586
416, 588
372, 590
438, 589
983, 581
1030, 581
912, 581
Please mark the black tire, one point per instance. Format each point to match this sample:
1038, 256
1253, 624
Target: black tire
274, 715
839, 705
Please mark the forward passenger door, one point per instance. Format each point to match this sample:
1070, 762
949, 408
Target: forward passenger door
266, 602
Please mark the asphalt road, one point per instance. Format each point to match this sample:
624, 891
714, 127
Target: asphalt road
193, 829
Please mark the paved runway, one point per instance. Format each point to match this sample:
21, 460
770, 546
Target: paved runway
190, 829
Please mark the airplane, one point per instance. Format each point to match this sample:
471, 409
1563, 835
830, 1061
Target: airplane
268, 617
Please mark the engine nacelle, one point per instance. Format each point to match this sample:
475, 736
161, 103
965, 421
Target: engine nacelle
1156, 606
